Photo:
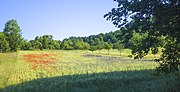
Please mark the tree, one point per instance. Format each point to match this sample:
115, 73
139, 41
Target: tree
45, 41
118, 45
86, 46
78, 45
12, 32
36, 45
92, 48
96, 41
26, 45
100, 46
137, 45
156, 18
65, 45
170, 58
100, 37
72, 43
4, 45
57, 44
107, 46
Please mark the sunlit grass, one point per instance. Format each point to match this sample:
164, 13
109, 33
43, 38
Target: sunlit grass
125, 53
74, 69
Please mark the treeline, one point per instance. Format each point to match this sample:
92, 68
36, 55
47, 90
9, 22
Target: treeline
11, 40
41, 42
92, 43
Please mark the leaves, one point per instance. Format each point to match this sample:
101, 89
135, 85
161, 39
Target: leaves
157, 18
12, 32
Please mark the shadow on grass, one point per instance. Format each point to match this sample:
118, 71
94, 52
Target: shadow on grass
120, 81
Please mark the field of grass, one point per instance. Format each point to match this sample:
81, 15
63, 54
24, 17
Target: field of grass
81, 71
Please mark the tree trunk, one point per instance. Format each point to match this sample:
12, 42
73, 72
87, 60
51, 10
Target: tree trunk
120, 53
108, 51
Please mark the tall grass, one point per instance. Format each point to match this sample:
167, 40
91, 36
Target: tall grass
126, 53
74, 72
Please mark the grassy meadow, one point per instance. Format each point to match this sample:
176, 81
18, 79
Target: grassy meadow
82, 71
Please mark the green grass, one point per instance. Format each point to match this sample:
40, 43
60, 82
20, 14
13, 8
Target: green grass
7, 63
83, 71
125, 53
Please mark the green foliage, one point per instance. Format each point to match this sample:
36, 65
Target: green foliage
100, 46
65, 45
171, 57
44, 42
4, 45
25, 45
46, 39
86, 46
118, 45
137, 45
12, 32
100, 37
36, 44
56, 44
96, 41
108, 46
74, 43
92, 48
78, 45
157, 18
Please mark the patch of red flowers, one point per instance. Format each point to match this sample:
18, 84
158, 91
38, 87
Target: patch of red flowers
40, 60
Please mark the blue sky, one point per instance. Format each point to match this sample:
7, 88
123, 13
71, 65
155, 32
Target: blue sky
60, 18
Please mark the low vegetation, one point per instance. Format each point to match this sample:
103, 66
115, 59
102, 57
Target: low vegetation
81, 71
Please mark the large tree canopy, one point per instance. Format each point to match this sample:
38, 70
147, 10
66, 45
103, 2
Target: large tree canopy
156, 18
12, 31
